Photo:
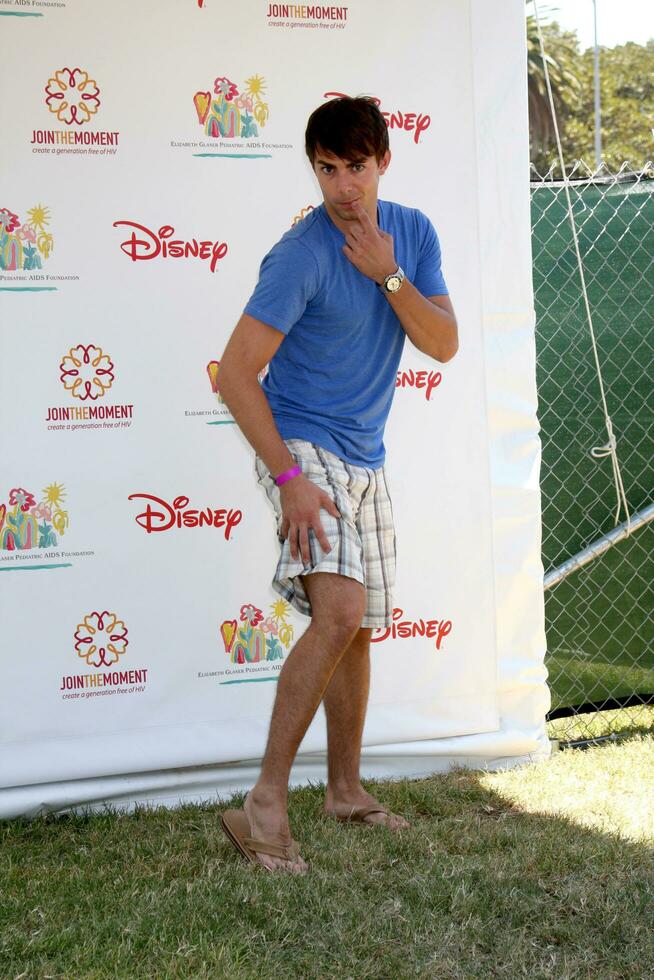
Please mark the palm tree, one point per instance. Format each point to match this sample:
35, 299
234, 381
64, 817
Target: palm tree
562, 57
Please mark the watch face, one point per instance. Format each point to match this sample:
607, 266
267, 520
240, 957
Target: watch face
393, 284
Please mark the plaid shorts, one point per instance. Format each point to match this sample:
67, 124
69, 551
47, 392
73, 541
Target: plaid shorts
362, 539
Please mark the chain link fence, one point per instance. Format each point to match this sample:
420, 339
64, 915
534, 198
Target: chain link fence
599, 584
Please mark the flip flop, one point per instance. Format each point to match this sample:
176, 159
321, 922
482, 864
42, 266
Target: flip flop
358, 814
236, 826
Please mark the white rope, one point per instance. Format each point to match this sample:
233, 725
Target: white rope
610, 449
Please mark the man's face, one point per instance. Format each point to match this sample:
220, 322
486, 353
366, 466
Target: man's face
343, 182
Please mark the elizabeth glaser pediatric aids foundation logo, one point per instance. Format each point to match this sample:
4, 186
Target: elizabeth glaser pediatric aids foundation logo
253, 639
231, 111
233, 116
101, 642
32, 528
72, 98
33, 8
255, 644
27, 243
28, 525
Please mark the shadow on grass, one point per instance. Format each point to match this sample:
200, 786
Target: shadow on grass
476, 888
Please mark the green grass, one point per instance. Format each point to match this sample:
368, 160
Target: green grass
600, 623
543, 871
620, 722
583, 679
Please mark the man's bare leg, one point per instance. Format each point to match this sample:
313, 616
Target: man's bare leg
338, 605
346, 701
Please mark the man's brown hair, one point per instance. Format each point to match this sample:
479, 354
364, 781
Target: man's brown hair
349, 128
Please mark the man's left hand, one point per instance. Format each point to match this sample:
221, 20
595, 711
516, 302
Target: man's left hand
368, 248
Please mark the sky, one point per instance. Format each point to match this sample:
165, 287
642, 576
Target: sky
618, 21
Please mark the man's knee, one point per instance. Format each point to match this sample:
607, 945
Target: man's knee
338, 605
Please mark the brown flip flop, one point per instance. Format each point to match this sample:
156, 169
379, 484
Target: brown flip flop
236, 826
358, 814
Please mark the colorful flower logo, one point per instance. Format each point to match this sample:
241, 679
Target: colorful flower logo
251, 615
31, 524
22, 244
72, 96
223, 86
8, 220
231, 114
100, 639
87, 372
256, 638
21, 498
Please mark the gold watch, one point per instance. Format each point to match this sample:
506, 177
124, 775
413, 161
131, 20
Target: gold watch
392, 282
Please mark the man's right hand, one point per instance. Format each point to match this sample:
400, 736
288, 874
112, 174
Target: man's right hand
301, 503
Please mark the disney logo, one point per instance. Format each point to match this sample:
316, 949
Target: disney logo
419, 379
152, 244
414, 122
175, 515
405, 628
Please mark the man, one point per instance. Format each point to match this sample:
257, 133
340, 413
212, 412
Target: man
335, 300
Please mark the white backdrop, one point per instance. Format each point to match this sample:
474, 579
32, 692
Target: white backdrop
140, 645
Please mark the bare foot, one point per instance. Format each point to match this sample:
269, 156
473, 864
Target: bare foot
270, 823
343, 805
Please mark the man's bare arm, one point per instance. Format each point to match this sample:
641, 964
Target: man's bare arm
429, 322
251, 346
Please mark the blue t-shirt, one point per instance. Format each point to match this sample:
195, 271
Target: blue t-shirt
332, 379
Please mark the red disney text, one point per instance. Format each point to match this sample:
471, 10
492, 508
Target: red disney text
176, 515
404, 629
419, 379
152, 244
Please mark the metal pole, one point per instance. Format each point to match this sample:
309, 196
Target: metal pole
598, 132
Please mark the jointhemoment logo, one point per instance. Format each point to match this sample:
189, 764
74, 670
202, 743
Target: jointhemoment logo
302, 215
74, 98
101, 640
306, 15
88, 374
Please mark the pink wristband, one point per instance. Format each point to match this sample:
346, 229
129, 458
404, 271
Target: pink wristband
288, 475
